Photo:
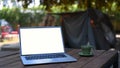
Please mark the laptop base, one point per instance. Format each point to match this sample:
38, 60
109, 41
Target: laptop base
68, 58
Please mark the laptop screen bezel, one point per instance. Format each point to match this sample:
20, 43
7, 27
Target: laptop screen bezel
39, 27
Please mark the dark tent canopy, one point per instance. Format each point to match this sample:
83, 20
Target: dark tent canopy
91, 26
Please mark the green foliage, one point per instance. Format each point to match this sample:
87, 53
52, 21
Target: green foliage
14, 16
64, 8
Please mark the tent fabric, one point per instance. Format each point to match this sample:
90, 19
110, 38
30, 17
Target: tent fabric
87, 27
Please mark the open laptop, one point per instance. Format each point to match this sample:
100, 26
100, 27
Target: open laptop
42, 45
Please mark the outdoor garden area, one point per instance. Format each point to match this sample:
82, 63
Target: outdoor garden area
37, 15
88, 30
33, 16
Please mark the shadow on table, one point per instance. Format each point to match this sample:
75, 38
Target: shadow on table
10, 47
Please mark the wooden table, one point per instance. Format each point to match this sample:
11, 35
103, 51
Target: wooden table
101, 59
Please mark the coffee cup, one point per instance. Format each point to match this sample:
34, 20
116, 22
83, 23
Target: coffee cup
86, 49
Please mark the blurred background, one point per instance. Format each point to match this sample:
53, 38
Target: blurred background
29, 13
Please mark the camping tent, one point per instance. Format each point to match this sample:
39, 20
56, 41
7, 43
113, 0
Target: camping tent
91, 26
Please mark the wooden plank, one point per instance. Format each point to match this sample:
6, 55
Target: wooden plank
15, 64
7, 53
79, 64
8, 60
73, 52
18, 64
13, 61
101, 60
83, 60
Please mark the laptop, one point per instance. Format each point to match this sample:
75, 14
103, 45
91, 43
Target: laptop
42, 45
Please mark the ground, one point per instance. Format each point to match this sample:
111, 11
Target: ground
9, 41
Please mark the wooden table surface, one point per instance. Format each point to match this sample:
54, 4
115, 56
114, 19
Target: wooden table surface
101, 59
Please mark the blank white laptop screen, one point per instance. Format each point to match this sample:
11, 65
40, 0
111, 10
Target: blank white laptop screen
41, 40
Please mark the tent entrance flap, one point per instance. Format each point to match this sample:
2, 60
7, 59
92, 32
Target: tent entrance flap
83, 27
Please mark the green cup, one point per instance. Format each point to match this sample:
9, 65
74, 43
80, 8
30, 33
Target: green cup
86, 49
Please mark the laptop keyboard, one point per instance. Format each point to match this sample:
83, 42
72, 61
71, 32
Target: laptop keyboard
45, 56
